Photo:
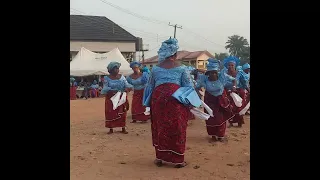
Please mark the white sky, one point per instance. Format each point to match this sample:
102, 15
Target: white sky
213, 20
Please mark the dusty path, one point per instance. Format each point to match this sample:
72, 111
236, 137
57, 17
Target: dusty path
98, 156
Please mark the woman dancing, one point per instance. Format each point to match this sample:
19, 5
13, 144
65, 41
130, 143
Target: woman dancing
112, 84
169, 117
237, 86
216, 98
138, 80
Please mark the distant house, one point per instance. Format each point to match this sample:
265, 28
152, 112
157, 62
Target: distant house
197, 59
100, 34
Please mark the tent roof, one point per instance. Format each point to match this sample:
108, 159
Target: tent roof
87, 63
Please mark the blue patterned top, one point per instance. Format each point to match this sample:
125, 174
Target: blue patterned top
242, 79
115, 85
140, 82
178, 75
94, 86
215, 88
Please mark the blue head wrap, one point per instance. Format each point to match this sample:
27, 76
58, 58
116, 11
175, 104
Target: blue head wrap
135, 63
213, 65
246, 66
167, 49
239, 68
72, 79
145, 69
231, 59
111, 65
190, 68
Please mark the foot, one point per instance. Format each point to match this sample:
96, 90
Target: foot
214, 139
110, 132
158, 162
184, 164
230, 125
223, 139
124, 131
134, 121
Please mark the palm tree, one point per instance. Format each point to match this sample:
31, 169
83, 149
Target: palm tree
236, 44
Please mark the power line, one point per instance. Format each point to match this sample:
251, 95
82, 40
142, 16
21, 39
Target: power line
152, 39
198, 35
154, 20
133, 14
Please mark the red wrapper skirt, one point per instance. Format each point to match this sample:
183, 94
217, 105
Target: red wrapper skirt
191, 116
168, 124
73, 93
115, 118
222, 111
238, 118
137, 109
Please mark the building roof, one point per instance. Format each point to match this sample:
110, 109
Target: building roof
181, 55
97, 28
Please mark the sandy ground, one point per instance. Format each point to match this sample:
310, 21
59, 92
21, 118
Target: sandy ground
94, 155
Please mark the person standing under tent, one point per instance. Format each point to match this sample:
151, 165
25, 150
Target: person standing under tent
86, 86
94, 88
73, 89
138, 80
112, 84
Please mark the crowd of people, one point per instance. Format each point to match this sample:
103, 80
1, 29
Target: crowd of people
169, 115
89, 89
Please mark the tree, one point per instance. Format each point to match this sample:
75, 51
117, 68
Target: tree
237, 45
244, 55
221, 56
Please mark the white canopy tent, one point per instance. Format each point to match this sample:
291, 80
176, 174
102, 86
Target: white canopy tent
87, 63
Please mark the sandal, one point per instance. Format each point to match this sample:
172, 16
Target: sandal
223, 140
158, 162
124, 131
110, 132
213, 139
184, 164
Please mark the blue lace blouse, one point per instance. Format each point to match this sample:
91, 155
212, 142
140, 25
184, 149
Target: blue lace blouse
178, 75
140, 82
115, 85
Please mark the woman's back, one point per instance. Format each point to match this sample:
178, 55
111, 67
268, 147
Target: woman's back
177, 75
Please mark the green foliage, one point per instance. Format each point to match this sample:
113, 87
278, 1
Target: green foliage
238, 46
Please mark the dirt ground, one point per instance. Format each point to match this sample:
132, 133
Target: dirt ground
94, 155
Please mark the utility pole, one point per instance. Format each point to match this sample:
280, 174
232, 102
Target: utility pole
144, 48
175, 28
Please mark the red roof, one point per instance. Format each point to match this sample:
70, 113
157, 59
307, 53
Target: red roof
181, 55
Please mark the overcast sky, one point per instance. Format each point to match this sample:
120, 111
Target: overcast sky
206, 24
